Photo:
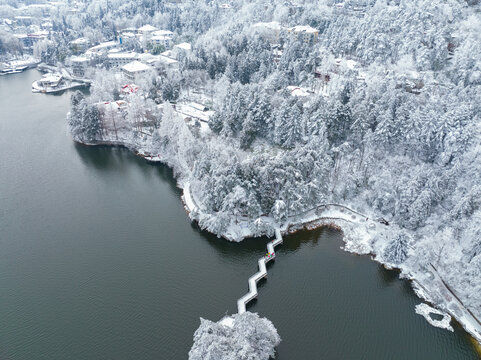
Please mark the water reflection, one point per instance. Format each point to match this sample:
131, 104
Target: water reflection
101, 158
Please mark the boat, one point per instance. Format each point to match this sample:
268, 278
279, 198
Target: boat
16, 66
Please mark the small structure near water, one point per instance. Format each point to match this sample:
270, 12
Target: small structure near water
52, 83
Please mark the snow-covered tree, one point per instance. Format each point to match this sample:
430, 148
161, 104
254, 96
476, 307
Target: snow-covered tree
250, 337
397, 250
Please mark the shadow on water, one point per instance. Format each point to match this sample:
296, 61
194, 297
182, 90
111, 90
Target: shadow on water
389, 276
105, 158
245, 247
293, 242
101, 158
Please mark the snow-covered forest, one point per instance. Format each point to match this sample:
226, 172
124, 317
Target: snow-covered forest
378, 109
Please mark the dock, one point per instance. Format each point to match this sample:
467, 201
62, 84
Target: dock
262, 273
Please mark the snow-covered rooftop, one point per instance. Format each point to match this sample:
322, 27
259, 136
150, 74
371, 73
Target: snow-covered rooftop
128, 35
162, 33
136, 66
167, 61
147, 28
195, 111
298, 91
79, 59
80, 41
113, 105
167, 53
38, 34
129, 89
184, 46
123, 55
51, 78
104, 45
303, 28
161, 37
350, 64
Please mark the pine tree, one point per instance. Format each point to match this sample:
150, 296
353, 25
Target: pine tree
397, 251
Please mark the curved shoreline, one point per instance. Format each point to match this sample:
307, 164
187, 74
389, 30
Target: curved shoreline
453, 306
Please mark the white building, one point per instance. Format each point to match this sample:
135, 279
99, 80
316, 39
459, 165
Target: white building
163, 33
182, 49
165, 63
29, 39
103, 47
299, 91
149, 59
304, 33
118, 59
146, 29
135, 68
129, 39
47, 82
79, 65
163, 40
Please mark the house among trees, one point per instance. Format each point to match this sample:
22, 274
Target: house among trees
128, 89
277, 53
103, 47
28, 40
161, 40
305, 33
118, 59
195, 113
79, 65
163, 33
135, 68
182, 49
166, 63
146, 30
299, 91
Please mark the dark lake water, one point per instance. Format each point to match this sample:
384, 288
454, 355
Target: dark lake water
98, 260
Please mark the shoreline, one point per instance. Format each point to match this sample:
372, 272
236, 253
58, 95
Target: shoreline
354, 243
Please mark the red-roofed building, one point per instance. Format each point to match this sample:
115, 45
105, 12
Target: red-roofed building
129, 89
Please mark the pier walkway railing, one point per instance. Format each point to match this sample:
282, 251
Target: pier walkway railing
262, 273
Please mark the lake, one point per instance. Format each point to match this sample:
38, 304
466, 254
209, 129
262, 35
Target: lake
98, 260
